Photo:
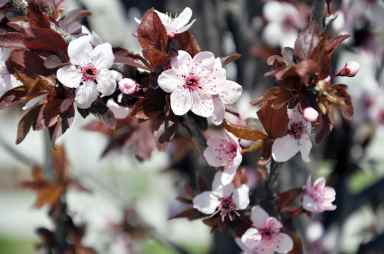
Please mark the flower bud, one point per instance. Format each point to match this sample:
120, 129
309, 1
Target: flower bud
350, 69
310, 114
127, 86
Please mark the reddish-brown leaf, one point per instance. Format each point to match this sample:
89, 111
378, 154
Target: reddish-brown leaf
275, 121
243, 132
26, 122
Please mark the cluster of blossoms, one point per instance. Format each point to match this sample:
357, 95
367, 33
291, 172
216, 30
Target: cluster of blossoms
148, 99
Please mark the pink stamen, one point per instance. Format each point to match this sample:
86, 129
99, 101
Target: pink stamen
89, 72
192, 82
296, 130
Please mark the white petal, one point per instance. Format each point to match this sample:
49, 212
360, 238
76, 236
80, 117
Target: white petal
284, 243
169, 80
181, 101
102, 56
217, 117
107, 81
229, 171
206, 202
186, 27
305, 148
182, 61
79, 50
284, 148
202, 104
309, 204
5, 83
273, 11
118, 111
258, 216
229, 92
251, 238
69, 76
212, 158
241, 197
273, 34
86, 94
183, 18
202, 56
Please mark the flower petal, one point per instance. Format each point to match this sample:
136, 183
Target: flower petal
86, 94
258, 216
118, 111
206, 202
284, 243
182, 19
251, 238
241, 197
69, 76
186, 27
202, 104
169, 80
182, 62
284, 148
79, 50
181, 101
218, 112
229, 91
212, 159
107, 81
102, 56
229, 171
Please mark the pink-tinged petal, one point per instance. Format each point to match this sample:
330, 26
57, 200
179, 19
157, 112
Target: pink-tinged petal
102, 56
181, 101
229, 171
250, 239
329, 194
127, 86
165, 19
86, 94
79, 51
118, 111
309, 204
273, 34
305, 148
210, 155
182, 19
310, 114
69, 76
284, 243
182, 62
186, 27
202, 104
206, 202
241, 197
217, 117
229, 92
284, 148
107, 81
319, 183
169, 80
258, 216
203, 56
350, 69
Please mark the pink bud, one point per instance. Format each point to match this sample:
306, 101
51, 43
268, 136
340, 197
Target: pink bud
310, 114
127, 86
350, 69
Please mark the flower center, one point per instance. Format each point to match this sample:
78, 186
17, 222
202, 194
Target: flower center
227, 208
268, 234
192, 82
296, 130
89, 72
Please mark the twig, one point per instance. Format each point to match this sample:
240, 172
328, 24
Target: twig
27, 161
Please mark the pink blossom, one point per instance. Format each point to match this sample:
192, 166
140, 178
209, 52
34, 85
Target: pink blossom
225, 200
350, 69
310, 114
284, 20
265, 236
224, 151
179, 24
128, 86
296, 140
317, 197
89, 71
198, 84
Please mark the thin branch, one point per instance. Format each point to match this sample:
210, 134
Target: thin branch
318, 12
27, 161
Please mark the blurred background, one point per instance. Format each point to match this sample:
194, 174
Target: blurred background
352, 157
